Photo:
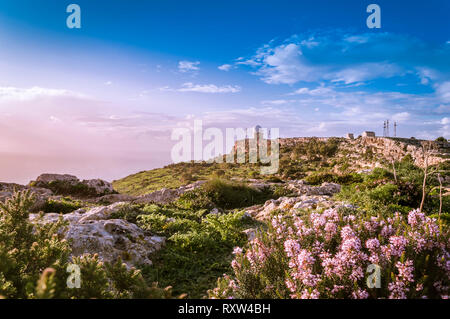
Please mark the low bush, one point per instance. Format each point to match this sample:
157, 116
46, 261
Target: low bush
318, 178
198, 247
223, 194
129, 212
34, 260
62, 206
327, 255
65, 188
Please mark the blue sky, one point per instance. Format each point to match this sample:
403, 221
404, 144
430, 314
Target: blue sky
113, 90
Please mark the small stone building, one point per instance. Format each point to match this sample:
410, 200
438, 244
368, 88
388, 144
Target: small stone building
350, 136
368, 134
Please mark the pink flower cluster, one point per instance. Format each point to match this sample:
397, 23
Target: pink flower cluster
327, 256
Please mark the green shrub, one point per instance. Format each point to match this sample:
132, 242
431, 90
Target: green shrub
62, 206
153, 222
34, 259
344, 179
198, 249
222, 194
315, 149
65, 188
129, 212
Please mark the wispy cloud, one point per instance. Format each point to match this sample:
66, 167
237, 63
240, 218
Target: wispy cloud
187, 66
225, 67
27, 94
203, 88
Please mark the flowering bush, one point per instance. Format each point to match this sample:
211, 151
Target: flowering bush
334, 254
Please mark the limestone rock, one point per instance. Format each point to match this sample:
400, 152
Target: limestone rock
293, 204
166, 195
102, 212
48, 178
100, 186
93, 232
66, 184
113, 198
301, 188
112, 239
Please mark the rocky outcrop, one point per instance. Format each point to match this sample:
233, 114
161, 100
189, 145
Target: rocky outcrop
387, 148
99, 185
301, 188
113, 198
167, 195
371, 152
292, 205
48, 178
65, 184
93, 232
41, 194
308, 197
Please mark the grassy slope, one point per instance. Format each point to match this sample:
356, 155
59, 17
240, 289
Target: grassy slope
172, 176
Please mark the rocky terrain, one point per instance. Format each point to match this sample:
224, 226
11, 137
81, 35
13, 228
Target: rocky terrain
380, 149
101, 220
92, 230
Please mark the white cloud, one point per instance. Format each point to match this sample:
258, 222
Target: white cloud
364, 72
209, 88
442, 109
225, 67
443, 91
310, 43
276, 102
24, 94
285, 64
401, 117
426, 75
186, 66
357, 39
321, 90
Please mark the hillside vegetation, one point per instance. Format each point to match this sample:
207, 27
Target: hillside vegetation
316, 159
334, 208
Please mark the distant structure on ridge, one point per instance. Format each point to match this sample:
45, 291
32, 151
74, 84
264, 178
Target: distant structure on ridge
368, 134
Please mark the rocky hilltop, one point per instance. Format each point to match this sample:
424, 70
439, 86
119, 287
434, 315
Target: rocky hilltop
379, 148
